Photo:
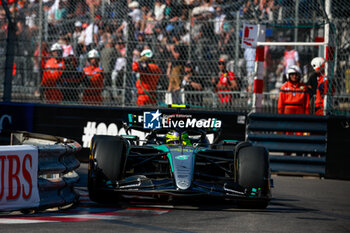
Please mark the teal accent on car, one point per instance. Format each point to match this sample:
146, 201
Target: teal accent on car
164, 148
231, 141
182, 157
201, 149
130, 118
254, 191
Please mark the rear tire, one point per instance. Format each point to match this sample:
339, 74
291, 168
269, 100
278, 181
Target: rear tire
108, 158
253, 172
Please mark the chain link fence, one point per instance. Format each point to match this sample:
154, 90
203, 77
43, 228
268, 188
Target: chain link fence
187, 37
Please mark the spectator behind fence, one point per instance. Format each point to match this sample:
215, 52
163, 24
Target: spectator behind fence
119, 66
70, 81
250, 10
53, 70
192, 82
60, 13
90, 35
159, 8
269, 68
93, 5
44, 56
135, 14
178, 54
108, 58
67, 47
148, 22
93, 80
225, 82
146, 83
293, 96
272, 10
136, 17
249, 57
78, 38
172, 12
290, 58
227, 36
219, 22
57, 16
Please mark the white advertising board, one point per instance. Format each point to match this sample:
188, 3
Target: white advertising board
18, 177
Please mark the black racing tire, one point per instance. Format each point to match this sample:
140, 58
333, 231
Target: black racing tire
253, 172
109, 152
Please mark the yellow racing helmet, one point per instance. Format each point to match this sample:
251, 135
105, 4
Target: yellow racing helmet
172, 137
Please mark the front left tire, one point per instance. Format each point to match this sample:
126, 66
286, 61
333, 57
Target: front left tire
106, 164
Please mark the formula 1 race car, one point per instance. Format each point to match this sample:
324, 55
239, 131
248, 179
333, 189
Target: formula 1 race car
177, 162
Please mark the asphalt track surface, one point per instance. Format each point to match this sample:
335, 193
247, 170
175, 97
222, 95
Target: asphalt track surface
299, 204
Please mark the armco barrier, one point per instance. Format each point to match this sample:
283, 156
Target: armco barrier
56, 175
269, 130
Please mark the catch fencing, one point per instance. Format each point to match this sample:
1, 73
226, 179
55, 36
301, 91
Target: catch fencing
200, 32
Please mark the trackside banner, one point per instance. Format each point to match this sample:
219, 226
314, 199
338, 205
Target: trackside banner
18, 177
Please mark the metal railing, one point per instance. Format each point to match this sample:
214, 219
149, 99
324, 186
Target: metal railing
300, 140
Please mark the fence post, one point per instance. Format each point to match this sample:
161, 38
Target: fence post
40, 37
46, 26
10, 51
329, 56
258, 79
130, 45
238, 22
296, 20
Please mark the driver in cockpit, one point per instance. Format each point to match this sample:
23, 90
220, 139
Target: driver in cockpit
173, 138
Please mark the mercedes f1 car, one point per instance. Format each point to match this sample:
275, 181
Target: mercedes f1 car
187, 167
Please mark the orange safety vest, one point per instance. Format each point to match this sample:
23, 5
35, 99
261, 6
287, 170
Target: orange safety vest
93, 93
147, 83
53, 70
225, 79
293, 99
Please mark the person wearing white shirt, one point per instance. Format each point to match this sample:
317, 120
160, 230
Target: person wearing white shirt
249, 57
90, 35
219, 20
159, 10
